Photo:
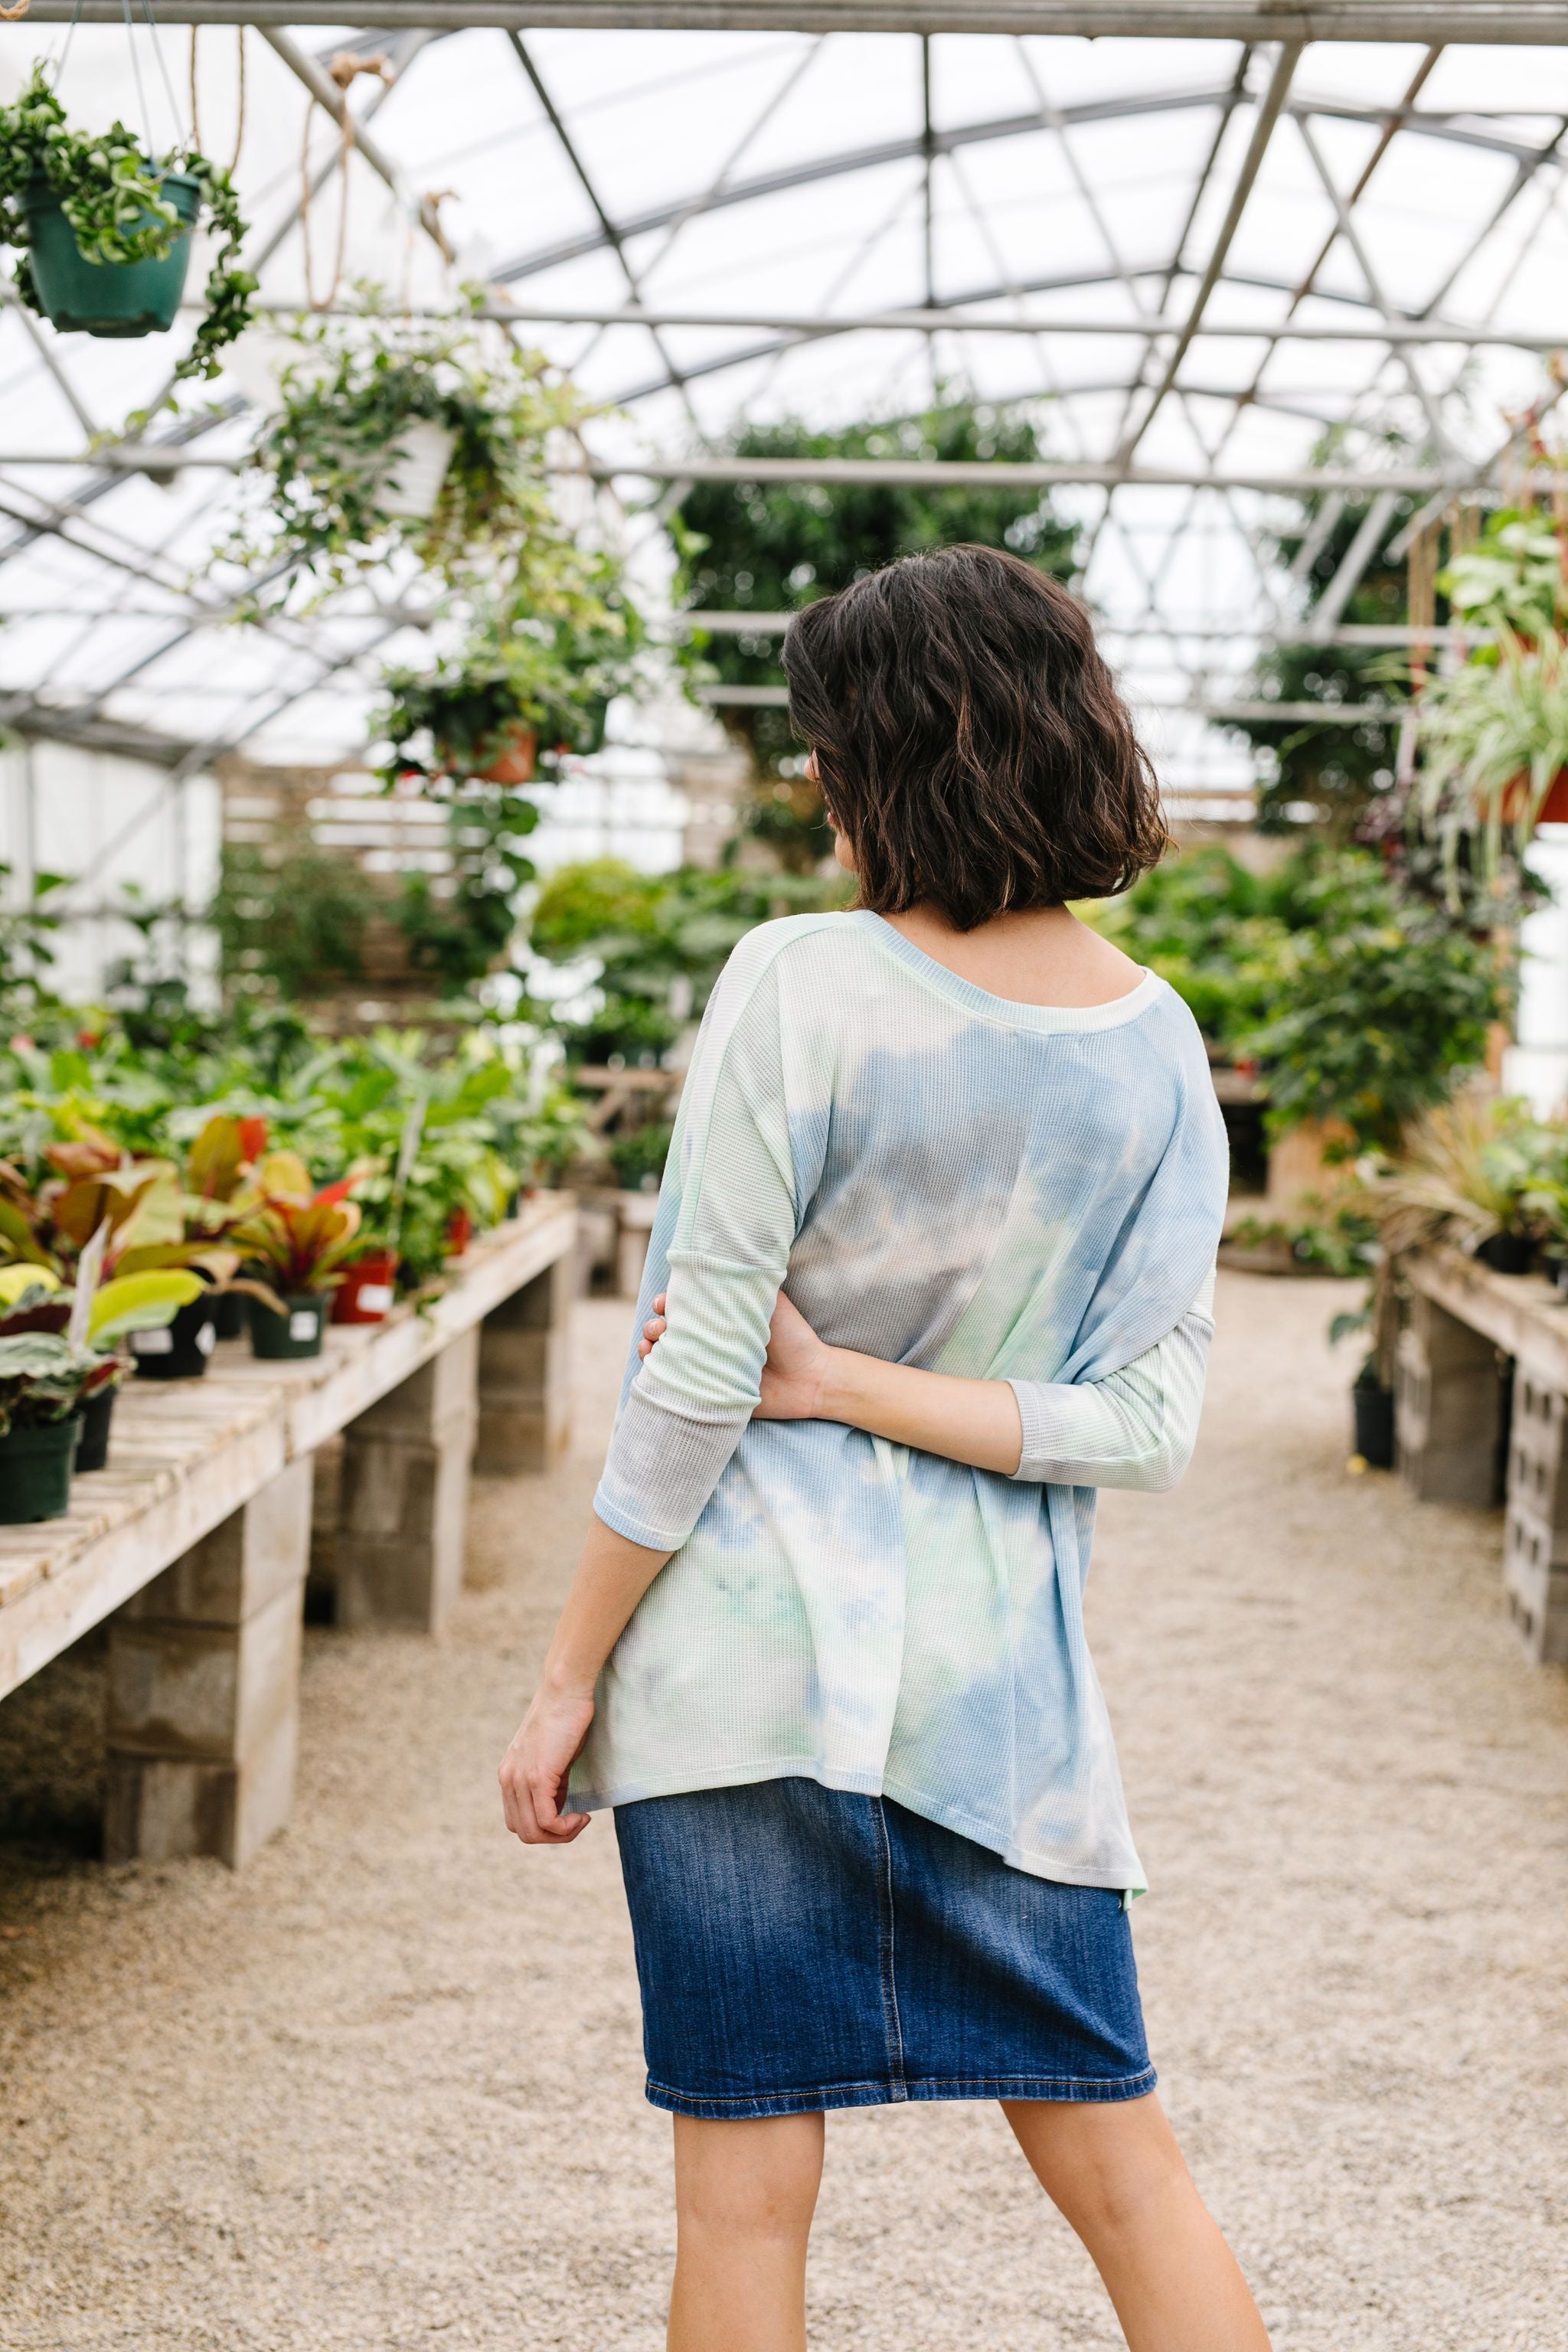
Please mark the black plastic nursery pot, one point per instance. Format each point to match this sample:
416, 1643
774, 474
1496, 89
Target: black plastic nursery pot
181, 1349
92, 1445
107, 298
1372, 1408
296, 1332
36, 1472
230, 1305
1506, 1253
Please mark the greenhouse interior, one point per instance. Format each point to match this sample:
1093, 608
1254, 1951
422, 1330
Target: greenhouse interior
417, 437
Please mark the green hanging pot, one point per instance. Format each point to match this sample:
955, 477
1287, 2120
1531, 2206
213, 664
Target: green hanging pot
36, 1472
107, 298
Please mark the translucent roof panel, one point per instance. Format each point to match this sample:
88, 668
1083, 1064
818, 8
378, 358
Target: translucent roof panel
1264, 223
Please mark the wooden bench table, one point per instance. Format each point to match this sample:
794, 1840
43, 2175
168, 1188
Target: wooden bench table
195, 1542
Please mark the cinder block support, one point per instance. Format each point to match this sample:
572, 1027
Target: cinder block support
403, 1507
1535, 1540
203, 1689
1448, 1400
525, 1374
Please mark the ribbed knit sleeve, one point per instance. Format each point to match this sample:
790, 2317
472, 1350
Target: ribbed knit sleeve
729, 1218
1135, 1428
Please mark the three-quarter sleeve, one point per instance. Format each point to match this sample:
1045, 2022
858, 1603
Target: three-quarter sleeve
720, 1248
1135, 1428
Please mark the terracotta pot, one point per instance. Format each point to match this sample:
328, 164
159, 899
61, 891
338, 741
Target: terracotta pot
368, 1288
1553, 809
459, 1231
512, 761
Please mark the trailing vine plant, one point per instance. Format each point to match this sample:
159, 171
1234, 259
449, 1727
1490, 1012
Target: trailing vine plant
111, 192
324, 506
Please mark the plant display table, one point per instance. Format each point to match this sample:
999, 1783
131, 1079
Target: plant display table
195, 1541
1481, 1416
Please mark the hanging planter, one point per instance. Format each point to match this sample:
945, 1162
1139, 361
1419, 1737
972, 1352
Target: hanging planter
515, 758
80, 296
415, 471
103, 229
393, 436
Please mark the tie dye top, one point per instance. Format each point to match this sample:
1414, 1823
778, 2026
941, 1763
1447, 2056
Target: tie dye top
944, 1179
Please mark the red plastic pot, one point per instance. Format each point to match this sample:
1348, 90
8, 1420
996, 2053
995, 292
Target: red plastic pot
459, 1231
366, 1291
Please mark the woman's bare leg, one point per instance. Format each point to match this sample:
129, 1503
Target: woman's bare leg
745, 2196
1115, 2172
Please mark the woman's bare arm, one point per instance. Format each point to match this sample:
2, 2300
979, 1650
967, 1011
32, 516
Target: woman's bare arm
976, 1422
1134, 1429
611, 1576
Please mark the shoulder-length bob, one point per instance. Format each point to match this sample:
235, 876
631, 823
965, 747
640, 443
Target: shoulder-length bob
969, 741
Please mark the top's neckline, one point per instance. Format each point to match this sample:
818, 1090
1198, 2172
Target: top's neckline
1006, 1009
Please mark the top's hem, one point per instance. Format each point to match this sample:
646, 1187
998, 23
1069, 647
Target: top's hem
1036, 1865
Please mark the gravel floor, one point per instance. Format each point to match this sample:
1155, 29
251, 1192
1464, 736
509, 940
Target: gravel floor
384, 2090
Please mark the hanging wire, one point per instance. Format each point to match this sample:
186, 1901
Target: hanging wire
136, 70
66, 44
163, 72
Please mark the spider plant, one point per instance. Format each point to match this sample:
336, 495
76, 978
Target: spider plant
1494, 737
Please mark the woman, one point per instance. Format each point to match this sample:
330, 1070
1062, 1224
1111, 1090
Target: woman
824, 1652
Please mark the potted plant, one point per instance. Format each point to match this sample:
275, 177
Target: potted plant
104, 229
59, 1367
542, 668
138, 1207
301, 1238
1474, 1175
394, 434
1493, 736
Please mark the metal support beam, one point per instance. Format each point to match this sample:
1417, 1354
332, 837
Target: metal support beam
1268, 115
936, 473
1537, 23
963, 318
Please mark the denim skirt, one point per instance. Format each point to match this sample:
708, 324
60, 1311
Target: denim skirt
800, 1947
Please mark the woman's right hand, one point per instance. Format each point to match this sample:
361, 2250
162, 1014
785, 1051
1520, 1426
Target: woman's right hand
794, 1376
534, 1770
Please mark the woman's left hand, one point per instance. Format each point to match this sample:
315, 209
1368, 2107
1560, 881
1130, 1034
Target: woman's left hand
794, 1375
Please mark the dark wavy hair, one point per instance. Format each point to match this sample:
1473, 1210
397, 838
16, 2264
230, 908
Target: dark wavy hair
969, 741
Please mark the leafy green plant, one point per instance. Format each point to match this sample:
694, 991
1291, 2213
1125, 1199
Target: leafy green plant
459, 923
1494, 739
327, 504
772, 547
1329, 1236
1380, 1010
27, 947
546, 669
1473, 1167
659, 942
296, 922
111, 190
637, 1157
1515, 577
299, 1236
